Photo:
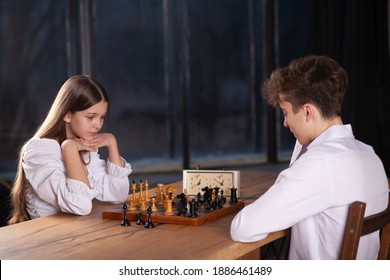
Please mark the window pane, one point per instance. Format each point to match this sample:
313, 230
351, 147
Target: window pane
129, 54
33, 67
294, 32
220, 103
139, 52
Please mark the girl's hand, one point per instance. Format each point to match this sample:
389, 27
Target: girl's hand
105, 140
77, 144
91, 145
100, 140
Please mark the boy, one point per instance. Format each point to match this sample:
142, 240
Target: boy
329, 168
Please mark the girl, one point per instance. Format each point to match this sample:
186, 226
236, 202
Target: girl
59, 168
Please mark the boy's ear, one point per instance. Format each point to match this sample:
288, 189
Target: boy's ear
308, 110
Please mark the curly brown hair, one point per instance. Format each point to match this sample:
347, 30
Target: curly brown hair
318, 80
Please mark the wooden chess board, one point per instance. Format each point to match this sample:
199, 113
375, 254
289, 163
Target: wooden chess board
204, 216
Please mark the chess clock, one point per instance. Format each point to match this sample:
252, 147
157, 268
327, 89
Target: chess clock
195, 180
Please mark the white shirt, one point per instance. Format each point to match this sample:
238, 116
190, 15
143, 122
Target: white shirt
313, 196
48, 189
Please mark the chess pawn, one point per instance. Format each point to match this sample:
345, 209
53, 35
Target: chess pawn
168, 207
147, 197
233, 195
154, 208
149, 223
193, 209
125, 221
143, 206
132, 204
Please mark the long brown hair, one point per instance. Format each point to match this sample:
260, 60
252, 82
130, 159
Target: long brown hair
78, 93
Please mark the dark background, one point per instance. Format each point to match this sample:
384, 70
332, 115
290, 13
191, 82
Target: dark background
184, 76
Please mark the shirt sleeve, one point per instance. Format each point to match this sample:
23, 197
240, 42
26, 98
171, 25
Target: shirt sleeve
110, 179
305, 185
44, 168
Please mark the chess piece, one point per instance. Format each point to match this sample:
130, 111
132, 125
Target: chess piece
160, 194
208, 198
154, 207
141, 193
168, 207
132, 204
143, 206
125, 221
199, 199
217, 203
169, 191
182, 206
140, 221
223, 198
233, 195
149, 223
134, 188
193, 209
147, 197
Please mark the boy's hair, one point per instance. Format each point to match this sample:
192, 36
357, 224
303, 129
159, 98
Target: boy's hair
318, 80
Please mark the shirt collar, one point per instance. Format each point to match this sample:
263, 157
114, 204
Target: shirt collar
331, 133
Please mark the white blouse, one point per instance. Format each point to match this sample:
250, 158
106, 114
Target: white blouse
48, 190
313, 195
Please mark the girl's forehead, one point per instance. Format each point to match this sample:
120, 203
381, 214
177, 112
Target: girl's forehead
97, 108
101, 104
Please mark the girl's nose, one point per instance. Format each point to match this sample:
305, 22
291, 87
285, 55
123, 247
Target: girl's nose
98, 123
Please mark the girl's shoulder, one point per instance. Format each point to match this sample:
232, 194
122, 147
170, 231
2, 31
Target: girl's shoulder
42, 146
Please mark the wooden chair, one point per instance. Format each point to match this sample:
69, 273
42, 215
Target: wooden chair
358, 226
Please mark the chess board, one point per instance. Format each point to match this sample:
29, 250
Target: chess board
159, 216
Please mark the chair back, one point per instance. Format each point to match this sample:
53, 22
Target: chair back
358, 226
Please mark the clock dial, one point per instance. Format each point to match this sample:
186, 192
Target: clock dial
195, 180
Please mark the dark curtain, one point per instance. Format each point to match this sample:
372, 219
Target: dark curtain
355, 32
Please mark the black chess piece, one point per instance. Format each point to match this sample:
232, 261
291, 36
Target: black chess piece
233, 196
140, 221
217, 203
223, 198
193, 209
199, 200
125, 221
172, 198
182, 205
209, 199
149, 223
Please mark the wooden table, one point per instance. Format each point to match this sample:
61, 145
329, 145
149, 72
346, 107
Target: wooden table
66, 236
